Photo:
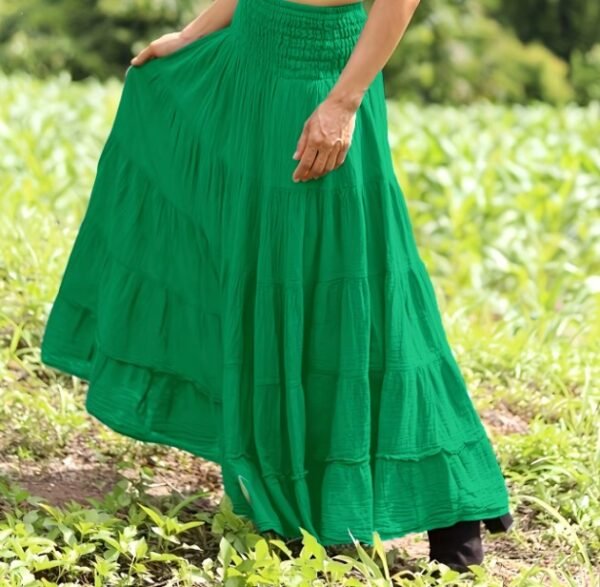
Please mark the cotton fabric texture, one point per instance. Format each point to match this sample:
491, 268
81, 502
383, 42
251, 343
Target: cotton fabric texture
286, 331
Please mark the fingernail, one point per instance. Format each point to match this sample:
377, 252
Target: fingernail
295, 155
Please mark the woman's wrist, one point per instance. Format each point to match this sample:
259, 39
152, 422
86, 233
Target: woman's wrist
196, 29
214, 17
188, 35
349, 99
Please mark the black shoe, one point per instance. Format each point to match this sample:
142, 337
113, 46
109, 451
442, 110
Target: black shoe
499, 524
457, 546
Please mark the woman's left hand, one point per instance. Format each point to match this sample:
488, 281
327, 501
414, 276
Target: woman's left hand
325, 140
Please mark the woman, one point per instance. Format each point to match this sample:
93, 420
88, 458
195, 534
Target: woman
245, 284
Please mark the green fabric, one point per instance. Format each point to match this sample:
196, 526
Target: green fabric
287, 331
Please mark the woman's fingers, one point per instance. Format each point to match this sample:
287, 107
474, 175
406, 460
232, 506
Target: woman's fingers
301, 142
333, 157
144, 55
160, 47
328, 163
306, 162
324, 141
319, 164
320, 160
314, 154
341, 155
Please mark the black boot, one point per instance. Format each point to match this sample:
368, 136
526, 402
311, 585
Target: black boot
460, 545
457, 546
499, 524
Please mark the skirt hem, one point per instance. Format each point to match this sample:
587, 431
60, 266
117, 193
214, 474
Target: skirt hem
212, 453
430, 523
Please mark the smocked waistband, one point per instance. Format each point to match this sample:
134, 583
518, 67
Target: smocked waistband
295, 39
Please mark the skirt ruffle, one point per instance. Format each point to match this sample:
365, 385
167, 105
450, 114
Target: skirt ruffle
289, 332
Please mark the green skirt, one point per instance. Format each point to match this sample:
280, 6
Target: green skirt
286, 331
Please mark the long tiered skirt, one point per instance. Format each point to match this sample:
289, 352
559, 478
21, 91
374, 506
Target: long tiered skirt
286, 331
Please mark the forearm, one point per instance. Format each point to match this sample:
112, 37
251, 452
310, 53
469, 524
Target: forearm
215, 16
385, 26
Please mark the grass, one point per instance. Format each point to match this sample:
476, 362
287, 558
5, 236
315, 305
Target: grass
504, 202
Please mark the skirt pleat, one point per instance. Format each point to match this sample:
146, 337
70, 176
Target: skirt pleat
287, 331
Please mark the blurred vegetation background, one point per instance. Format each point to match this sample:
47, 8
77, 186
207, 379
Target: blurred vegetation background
454, 51
494, 118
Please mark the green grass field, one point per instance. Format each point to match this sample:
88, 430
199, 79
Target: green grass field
505, 203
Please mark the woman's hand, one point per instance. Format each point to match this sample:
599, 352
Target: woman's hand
168, 43
327, 133
325, 139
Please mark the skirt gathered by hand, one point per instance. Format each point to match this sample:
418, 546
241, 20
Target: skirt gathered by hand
287, 331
